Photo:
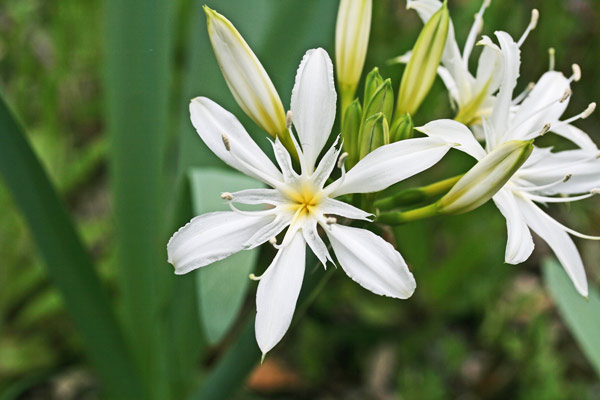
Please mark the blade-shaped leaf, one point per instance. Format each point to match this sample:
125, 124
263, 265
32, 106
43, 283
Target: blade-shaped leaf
69, 265
221, 285
582, 317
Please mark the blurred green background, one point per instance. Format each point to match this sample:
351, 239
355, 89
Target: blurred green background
476, 328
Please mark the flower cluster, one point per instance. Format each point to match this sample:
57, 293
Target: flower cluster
311, 199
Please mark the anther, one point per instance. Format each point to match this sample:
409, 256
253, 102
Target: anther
545, 129
566, 95
226, 142
595, 191
576, 72
273, 241
598, 155
331, 220
552, 58
254, 277
535, 15
588, 111
288, 119
568, 178
227, 196
341, 160
530, 86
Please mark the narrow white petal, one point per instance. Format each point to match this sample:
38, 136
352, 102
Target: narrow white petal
311, 235
489, 70
371, 262
454, 132
520, 243
212, 122
541, 106
270, 230
258, 196
511, 57
278, 292
284, 160
451, 86
390, 164
575, 135
336, 207
558, 240
313, 103
326, 165
211, 237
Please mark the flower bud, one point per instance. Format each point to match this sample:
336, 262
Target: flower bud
402, 128
350, 132
247, 79
351, 40
372, 82
486, 178
381, 101
421, 69
374, 133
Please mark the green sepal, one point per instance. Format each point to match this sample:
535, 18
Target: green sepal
372, 82
382, 101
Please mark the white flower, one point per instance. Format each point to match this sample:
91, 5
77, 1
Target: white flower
299, 202
575, 174
471, 95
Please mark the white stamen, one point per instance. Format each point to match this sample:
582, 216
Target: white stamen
288, 119
227, 196
566, 95
341, 160
474, 32
576, 72
273, 241
535, 15
552, 59
562, 199
254, 277
542, 187
588, 111
524, 93
545, 129
226, 142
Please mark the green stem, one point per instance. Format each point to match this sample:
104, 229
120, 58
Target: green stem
402, 217
417, 195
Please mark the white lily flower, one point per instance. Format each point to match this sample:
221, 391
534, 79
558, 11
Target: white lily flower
472, 95
574, 174
299, 202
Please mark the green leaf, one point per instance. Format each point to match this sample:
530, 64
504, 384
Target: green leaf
68, 263
581, 317
222, 285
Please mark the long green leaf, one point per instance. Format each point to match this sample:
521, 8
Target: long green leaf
69, 265
221, 286
137, 82
582, 317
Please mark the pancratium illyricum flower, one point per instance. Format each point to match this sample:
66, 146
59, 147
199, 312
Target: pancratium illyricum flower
299, 202
574, 174
472, 95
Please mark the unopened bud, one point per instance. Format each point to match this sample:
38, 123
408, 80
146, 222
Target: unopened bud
352, 30
382, 101
374, 133
486, 178
402, 128
421, 69
351, 131
372, 82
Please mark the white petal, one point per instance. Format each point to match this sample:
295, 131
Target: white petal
371, 261
311, 235
558, 240
278, 292
284, 160
336, 207
520, 243
313, 103
258, 196
211, 237
489, 69
454, 132
390, 164
511, 56
212, 122
270, 230
534, 113
575, 135
451, 85
326, 165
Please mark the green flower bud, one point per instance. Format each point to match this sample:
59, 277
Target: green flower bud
372, 82
375, 133
421, 69
381, 101
486, 178
402, 128
350, 132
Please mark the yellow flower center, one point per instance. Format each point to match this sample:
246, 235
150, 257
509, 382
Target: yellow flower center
304, 199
